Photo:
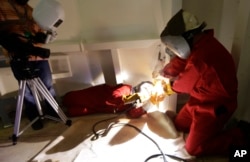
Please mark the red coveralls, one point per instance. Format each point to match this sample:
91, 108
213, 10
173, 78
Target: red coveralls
209, 77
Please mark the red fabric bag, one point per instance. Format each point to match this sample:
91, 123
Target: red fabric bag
97, 99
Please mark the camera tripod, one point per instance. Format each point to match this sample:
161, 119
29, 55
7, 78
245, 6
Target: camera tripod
38, 90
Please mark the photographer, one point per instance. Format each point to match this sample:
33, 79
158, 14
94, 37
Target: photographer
22, 38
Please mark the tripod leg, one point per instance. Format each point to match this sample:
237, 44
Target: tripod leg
17, 132
47, 95
19, 107
36, 97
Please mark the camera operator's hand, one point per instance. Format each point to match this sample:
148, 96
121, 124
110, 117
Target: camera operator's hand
40, 37
51, 36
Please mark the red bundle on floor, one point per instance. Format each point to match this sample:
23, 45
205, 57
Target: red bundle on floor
97, 99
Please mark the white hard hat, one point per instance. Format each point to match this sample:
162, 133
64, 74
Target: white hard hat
181, 22
190, 21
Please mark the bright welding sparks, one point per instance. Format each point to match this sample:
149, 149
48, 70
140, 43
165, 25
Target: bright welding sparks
158, 94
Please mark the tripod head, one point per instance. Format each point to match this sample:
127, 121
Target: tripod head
23, 69
20, 51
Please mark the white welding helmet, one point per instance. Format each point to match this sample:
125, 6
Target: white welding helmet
48, 14
179, 32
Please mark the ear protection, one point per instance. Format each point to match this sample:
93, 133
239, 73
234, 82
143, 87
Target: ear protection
189, 35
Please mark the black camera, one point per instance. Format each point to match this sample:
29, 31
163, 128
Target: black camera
13, 43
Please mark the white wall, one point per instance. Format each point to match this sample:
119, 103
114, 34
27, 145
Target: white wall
113, 20
242, 48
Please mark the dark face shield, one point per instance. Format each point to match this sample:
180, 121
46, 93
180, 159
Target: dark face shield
176, 45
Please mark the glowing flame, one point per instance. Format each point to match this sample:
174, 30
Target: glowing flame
158, 93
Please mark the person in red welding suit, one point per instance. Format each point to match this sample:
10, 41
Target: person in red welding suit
204, 69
